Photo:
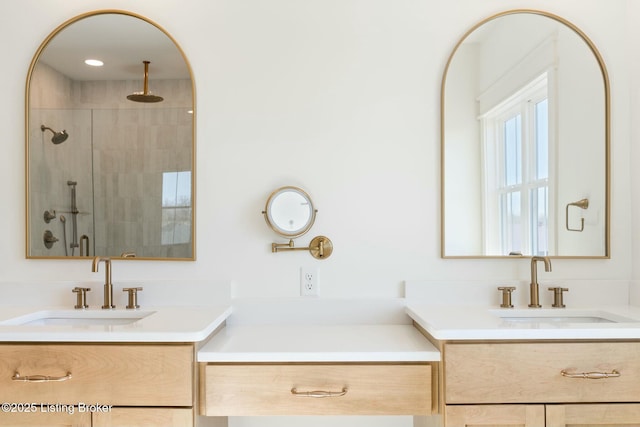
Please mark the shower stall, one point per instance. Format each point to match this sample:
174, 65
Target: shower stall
116, 175
116, 184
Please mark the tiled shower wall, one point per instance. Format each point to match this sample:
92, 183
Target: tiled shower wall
116, 152
129, 161
52, 166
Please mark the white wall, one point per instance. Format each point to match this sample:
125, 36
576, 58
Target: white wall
340, 97
634, 70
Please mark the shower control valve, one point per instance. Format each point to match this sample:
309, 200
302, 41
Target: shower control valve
49, 239
48, 216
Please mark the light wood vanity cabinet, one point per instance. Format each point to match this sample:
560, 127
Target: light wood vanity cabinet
144, 384
315, 389
39, 419
541, 384
144, 417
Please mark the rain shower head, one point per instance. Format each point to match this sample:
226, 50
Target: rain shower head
145, 96
58, 137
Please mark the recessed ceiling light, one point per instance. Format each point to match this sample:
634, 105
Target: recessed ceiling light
94, 62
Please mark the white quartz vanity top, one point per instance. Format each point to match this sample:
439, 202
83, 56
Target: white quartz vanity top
318, 343
162, 324
487, 323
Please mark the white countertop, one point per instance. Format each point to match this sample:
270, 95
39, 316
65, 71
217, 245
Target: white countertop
161, 324
487, 323
318, 343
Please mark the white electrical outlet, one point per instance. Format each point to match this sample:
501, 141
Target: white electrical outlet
309, 282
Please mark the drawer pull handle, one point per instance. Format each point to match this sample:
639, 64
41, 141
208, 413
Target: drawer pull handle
591, 375
319, 393
40, 378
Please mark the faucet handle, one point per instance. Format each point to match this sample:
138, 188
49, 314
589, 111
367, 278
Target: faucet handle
133, 297
506, 296
558, 297
81, 298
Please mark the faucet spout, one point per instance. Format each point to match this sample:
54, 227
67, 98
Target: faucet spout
534, 288
108, 286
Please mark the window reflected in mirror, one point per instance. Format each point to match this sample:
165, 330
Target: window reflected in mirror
515, 166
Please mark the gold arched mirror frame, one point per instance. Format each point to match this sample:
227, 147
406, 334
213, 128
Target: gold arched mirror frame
138, 195
463, 215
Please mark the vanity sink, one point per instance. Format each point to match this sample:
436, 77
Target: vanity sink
560, 317
77, 318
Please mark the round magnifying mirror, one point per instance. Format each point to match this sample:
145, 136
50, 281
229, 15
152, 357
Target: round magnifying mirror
290, 212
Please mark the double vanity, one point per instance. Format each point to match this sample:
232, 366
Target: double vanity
191, 356
186, 366
445, 365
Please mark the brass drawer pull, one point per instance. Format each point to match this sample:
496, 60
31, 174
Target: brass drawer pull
319, 393
40, 378
591, 375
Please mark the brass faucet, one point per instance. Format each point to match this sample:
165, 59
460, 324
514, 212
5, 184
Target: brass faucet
534, 287
108, 286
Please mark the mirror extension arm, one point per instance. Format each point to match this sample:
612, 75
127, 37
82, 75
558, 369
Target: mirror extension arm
320, 247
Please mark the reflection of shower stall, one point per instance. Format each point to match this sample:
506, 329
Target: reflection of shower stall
106, 179
59, 179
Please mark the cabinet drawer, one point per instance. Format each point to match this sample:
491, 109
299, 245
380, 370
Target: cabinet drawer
533, 372
132, 375
269, 389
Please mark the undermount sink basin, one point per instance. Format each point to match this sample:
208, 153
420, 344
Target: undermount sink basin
559, 316
77, 318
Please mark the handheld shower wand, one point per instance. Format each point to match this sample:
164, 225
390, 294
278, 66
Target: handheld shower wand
58, 137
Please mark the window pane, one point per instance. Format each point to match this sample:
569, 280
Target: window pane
512, 151
183, 188
168, 226
169, 184
540, 220
511, 222
176, 208
542, 139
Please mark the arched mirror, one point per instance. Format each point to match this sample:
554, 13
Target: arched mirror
290, 213
110, 141
525, 141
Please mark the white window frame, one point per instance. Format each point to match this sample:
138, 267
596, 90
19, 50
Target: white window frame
174, 230
522, 102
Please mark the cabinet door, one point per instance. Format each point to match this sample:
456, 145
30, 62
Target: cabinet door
144, 417
494, 415
609, 415
61, 418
